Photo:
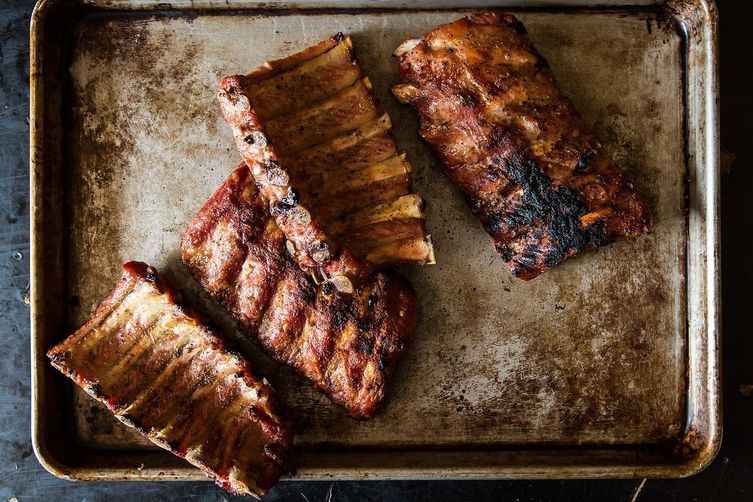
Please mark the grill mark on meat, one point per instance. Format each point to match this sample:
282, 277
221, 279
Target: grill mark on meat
133, 382
164, 380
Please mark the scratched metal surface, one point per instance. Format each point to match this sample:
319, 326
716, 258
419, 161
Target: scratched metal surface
21, 476
592, 352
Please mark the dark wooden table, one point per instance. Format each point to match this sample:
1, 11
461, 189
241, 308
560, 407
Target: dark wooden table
730, 477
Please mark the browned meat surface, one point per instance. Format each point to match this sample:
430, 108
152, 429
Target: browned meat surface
324, 157
347, 344
159, 369
541, 184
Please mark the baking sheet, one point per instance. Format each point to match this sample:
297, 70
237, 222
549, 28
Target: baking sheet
594, 356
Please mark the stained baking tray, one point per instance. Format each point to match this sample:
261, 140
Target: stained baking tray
607, 366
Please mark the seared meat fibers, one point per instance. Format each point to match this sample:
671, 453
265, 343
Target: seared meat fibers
324, 157
160, 370
347, 344
539, 181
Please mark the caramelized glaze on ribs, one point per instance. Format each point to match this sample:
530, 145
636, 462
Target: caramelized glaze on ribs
159, 369
325, 159
347, 344
541, 184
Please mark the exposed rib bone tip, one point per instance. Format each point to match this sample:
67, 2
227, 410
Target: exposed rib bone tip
406, 46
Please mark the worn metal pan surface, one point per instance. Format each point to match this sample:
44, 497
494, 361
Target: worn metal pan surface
606, 366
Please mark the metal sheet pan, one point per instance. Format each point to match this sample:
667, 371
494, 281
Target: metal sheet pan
607, 366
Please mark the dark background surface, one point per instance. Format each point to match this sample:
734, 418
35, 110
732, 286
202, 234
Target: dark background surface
730, 477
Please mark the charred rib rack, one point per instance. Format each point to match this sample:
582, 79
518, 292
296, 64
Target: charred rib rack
541, 184
160, 370
346, 343
325, 159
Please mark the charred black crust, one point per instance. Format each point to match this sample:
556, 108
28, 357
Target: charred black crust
291, 198
364, 325
364, 345
320, 245
383, 358
338, 37
519, 27
327, 288
56, 357
541, 63
371, 300
584, 160
174, 446
470, 99
232, 85
554, 209
133, 422
340, 314
308, 294
286, 203
504, 251
494, 221
256, 138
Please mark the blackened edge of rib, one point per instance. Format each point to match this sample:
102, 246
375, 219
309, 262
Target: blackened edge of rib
559, 208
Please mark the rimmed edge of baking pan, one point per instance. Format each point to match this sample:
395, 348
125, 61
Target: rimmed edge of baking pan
59, 453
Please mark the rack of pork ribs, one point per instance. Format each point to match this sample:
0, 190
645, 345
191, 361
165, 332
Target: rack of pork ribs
160, 370
297, 241
542, 185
